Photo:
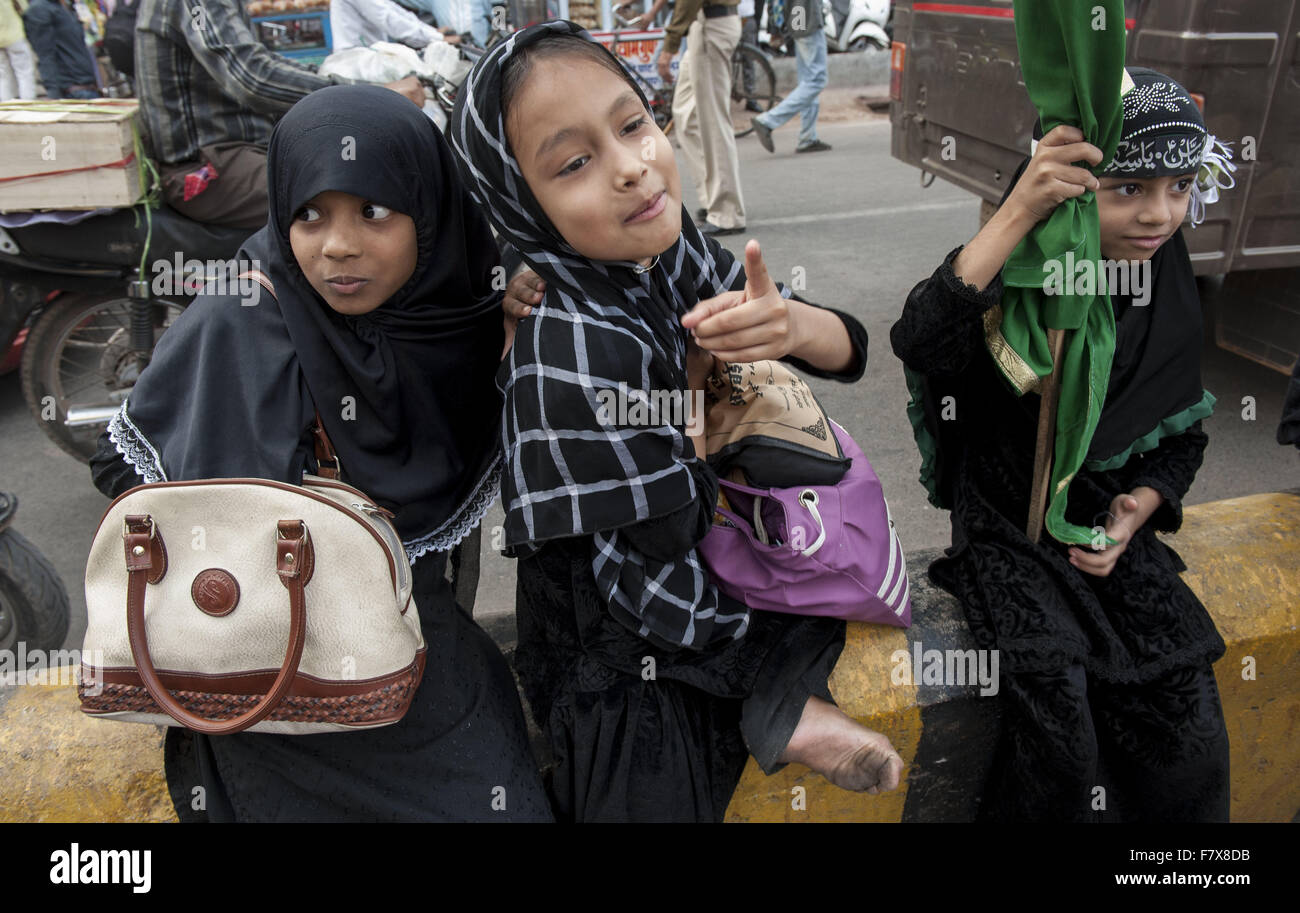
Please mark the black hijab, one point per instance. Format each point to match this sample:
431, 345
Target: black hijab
405, 392
1155, 376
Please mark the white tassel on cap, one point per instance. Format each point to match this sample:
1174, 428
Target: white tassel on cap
1215, 174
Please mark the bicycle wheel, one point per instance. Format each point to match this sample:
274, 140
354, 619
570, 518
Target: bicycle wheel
753, 86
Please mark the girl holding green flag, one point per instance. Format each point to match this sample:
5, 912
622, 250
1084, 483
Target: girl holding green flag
1110, 706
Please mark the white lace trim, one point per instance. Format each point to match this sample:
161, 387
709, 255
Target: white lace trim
467, 516
135, 447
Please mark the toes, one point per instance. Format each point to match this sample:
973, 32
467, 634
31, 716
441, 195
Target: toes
893, 773
882, 769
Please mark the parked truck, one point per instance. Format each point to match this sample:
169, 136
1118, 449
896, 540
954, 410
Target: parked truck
959, 111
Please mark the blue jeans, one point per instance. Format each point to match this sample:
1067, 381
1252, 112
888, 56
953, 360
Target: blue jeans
811, 55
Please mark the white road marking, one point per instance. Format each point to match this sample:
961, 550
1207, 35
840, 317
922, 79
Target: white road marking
966, 202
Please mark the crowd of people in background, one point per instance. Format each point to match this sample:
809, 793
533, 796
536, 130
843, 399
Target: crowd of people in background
58, 38
210, 96
56, 34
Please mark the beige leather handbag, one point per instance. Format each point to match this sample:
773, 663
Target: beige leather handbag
230, 604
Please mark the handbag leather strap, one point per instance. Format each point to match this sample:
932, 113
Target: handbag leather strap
294, 560
322, 445
325, 453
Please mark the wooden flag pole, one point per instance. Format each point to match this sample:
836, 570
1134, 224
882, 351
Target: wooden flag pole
1050, 394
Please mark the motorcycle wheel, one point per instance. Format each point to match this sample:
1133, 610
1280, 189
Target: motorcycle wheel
78, 353
33, 602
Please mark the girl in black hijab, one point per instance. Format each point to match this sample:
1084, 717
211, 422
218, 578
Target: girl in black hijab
383, 321
1108, 695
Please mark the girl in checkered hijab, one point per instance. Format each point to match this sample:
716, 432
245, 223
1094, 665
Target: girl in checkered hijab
652, 685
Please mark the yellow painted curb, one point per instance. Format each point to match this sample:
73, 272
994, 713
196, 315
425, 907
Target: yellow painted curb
62, 766
1243, 561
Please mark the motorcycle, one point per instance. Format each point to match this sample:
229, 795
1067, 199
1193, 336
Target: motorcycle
864, 25
34, 608
88, 301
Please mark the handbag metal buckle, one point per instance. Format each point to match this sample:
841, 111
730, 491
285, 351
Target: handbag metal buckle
279, 533
126, 527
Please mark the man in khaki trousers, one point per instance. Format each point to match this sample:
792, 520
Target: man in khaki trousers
702, 107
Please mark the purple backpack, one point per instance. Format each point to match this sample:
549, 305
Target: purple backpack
812, 550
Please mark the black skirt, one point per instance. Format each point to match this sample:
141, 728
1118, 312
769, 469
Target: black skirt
640, 733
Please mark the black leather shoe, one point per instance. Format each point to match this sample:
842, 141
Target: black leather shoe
815, 146
764, 135
708, 228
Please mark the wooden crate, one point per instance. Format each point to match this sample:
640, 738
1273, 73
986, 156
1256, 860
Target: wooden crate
68, 154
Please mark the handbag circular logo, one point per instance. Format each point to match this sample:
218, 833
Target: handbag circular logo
215, 592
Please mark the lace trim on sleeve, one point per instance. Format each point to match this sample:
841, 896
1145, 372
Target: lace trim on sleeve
464, 519
986, 298
135, 447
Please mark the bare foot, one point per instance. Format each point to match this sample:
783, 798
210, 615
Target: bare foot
842, 750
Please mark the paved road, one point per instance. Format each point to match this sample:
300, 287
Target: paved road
863, 230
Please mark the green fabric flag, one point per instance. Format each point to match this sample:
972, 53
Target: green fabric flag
1072, 58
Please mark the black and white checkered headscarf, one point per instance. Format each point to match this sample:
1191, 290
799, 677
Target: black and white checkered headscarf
599, 325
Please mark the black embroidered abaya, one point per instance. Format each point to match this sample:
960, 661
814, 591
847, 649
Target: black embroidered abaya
1105, 681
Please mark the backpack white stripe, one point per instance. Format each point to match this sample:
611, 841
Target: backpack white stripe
894, 549
902, 602
902, 571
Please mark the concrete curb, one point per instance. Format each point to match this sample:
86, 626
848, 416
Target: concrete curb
1242, 556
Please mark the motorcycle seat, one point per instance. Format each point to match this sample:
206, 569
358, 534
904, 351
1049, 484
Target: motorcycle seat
115, 239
